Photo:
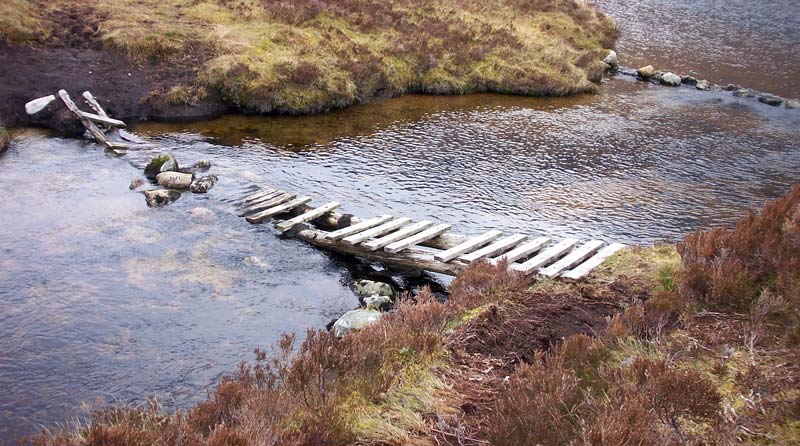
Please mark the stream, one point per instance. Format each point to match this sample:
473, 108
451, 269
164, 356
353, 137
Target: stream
106, 301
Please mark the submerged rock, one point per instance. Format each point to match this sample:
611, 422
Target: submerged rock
160, 163
175, 180
770, 99
646, 72
368, 288
688, 80
203, 184
612, 59
201, 213
732, 87
703, 85
670, 79
257, 262
161, 197
136, 183
355, 320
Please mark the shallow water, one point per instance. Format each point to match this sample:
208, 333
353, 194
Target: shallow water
103, 300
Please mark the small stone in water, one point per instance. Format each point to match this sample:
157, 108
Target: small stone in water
703, 85
135, 183
646, 71
204, 184
792, 103
770, 99
160, 197
160, 163
671, 79
174, 180
612, 59
742, 93
202, 165
688, 80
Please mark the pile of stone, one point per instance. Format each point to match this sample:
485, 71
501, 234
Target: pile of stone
375, 298
173, 180
649, 73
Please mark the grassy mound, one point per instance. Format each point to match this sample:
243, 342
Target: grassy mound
307, 56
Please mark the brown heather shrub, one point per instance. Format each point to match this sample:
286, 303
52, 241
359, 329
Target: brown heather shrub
728, 268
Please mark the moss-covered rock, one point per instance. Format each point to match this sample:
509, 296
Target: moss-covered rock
160, 163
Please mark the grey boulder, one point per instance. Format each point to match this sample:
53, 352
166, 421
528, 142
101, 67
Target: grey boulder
355, 320
670, 79
174, 180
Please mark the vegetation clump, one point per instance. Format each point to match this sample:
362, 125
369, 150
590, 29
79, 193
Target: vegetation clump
283, 56
5, 139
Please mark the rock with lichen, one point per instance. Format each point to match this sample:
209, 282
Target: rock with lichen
160, 197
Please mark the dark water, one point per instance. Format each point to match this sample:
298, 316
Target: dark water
752, 43
103, 300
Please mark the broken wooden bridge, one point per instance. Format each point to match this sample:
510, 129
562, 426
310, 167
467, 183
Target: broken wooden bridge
423, 244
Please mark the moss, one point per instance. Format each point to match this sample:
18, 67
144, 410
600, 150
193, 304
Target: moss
653, 268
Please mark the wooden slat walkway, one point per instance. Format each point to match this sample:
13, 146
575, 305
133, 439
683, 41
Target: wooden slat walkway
423, 244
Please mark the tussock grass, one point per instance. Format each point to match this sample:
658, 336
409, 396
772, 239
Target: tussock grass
20, 22
282, 56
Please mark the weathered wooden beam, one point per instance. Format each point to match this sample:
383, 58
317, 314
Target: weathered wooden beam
376, 232
111, 122
467, 246
580, 254
411, 258
495, 248
260, 194
333, 220
583, 270
39, 104
307, 216
94, 104
545, 257
399, 235
521, 251
98, 135
358, 227
268, 203
400, 245
263, 215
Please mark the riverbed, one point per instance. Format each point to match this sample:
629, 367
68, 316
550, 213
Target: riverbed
106, 301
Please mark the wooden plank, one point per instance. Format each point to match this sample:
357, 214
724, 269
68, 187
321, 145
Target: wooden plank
259, 204
376, 232
260, 194
39, 104
545, 257
90, 126
467, 246
307, 216
495, 248
521, 251
410, 258
583, 270
111, 122
94, 104
272, 202
580, 254
358, 227
261, 216
400, 245
399, 235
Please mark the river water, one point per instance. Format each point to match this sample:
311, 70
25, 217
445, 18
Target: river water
104, 301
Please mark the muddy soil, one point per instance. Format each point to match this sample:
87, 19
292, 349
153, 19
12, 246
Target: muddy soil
489, 347
74, 58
